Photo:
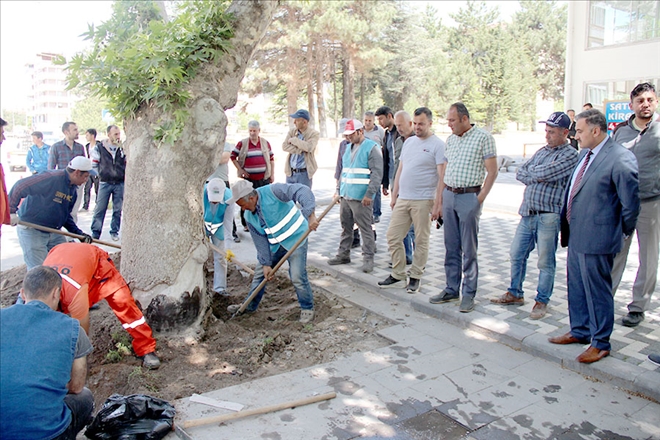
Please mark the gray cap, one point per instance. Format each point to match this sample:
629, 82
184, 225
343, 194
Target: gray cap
239, 190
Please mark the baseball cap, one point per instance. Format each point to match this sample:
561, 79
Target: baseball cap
352, 126
82, 163
239, 190
215, 190
559, 119
301, 113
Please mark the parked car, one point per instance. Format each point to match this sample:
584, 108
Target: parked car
16, 157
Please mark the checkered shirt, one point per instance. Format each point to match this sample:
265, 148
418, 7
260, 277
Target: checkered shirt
465, 157
546, 175
61, 154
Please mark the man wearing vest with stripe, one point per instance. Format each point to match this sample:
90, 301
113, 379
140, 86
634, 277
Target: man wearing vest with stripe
89, 276
361, 176
218, 216
276, 224
253, 158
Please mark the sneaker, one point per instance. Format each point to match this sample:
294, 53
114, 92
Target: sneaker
654, 358
246, 229
237, 239
390, 281
376, 219
306, 316
221, 292
150, 361
508, 299
367, 266
538, 311
233, 308
336, 260
443, 297
413, 285
114, 237
467, 304
632, 319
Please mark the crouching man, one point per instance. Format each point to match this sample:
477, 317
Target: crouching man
89, 276
276, 224
44, 365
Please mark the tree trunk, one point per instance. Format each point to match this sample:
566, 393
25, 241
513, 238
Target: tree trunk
292, 56
164, 245
310, 87
320, 101
348, 95
361, 96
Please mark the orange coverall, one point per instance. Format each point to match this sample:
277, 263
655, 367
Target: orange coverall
88, 276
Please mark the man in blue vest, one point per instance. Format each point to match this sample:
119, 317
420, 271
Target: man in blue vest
362, 171
276, 224
44, 364
218, 216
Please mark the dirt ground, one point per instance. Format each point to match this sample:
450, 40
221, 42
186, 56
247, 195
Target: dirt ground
268, 342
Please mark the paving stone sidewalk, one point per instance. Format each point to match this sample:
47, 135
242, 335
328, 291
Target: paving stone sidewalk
627, 365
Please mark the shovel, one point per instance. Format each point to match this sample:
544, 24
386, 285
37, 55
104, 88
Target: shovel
281, 262
67, 234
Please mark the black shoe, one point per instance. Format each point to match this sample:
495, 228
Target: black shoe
467, 304
390, 281
408, 262
632, 319
444, 297
413, 285
237, 239
654, 358
355, 244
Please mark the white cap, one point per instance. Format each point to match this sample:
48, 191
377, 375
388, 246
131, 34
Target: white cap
81, 163
215, 190
239, 190
352, 126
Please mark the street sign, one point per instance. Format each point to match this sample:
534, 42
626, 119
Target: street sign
615, 113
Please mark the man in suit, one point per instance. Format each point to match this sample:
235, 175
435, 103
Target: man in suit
601, 206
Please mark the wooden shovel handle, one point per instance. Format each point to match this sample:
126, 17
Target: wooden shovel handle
263, 410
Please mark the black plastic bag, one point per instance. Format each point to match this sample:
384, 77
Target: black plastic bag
134, 417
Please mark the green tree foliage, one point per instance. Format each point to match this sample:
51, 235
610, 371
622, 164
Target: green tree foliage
138, 58
87, 113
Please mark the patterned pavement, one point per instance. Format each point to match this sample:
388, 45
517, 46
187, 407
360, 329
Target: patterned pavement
630, 346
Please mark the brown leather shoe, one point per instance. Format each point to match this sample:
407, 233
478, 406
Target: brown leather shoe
538, 311
591, 355
508, 300
568, 338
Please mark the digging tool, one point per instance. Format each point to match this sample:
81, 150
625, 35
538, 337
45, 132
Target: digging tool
250, 412
284, 258
68, 234
233, 260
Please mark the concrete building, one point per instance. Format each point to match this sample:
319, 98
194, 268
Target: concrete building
611, 47
49, 102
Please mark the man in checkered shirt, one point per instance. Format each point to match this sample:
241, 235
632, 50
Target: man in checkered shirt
471, 171
545, 176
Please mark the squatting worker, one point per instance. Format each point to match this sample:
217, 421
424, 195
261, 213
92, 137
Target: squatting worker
89, 276
276, 224
44, 365
218, 216
48, 200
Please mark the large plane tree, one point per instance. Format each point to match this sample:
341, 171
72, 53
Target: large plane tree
169, 81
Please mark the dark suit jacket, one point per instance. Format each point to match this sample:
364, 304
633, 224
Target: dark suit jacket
606, 204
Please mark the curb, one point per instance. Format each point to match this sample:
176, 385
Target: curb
615, 371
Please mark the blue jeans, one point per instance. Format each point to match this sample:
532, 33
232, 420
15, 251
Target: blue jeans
461, 213
300, 178
409, 243
535, 230
36, 245
116, 190
377, 205
297, 273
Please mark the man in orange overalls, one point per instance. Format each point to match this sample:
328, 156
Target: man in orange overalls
88, 276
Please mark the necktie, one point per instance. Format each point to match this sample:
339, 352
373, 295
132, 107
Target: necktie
576, 185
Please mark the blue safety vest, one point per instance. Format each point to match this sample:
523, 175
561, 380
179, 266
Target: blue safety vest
285, 224
213, 223
356, 173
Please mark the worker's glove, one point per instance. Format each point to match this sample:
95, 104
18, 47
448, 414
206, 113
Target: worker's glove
13, 219
229, 255
86, 238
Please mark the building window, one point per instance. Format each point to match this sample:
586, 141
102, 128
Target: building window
622, 22
598, 92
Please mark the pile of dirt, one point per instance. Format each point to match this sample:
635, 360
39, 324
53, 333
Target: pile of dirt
268, 342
